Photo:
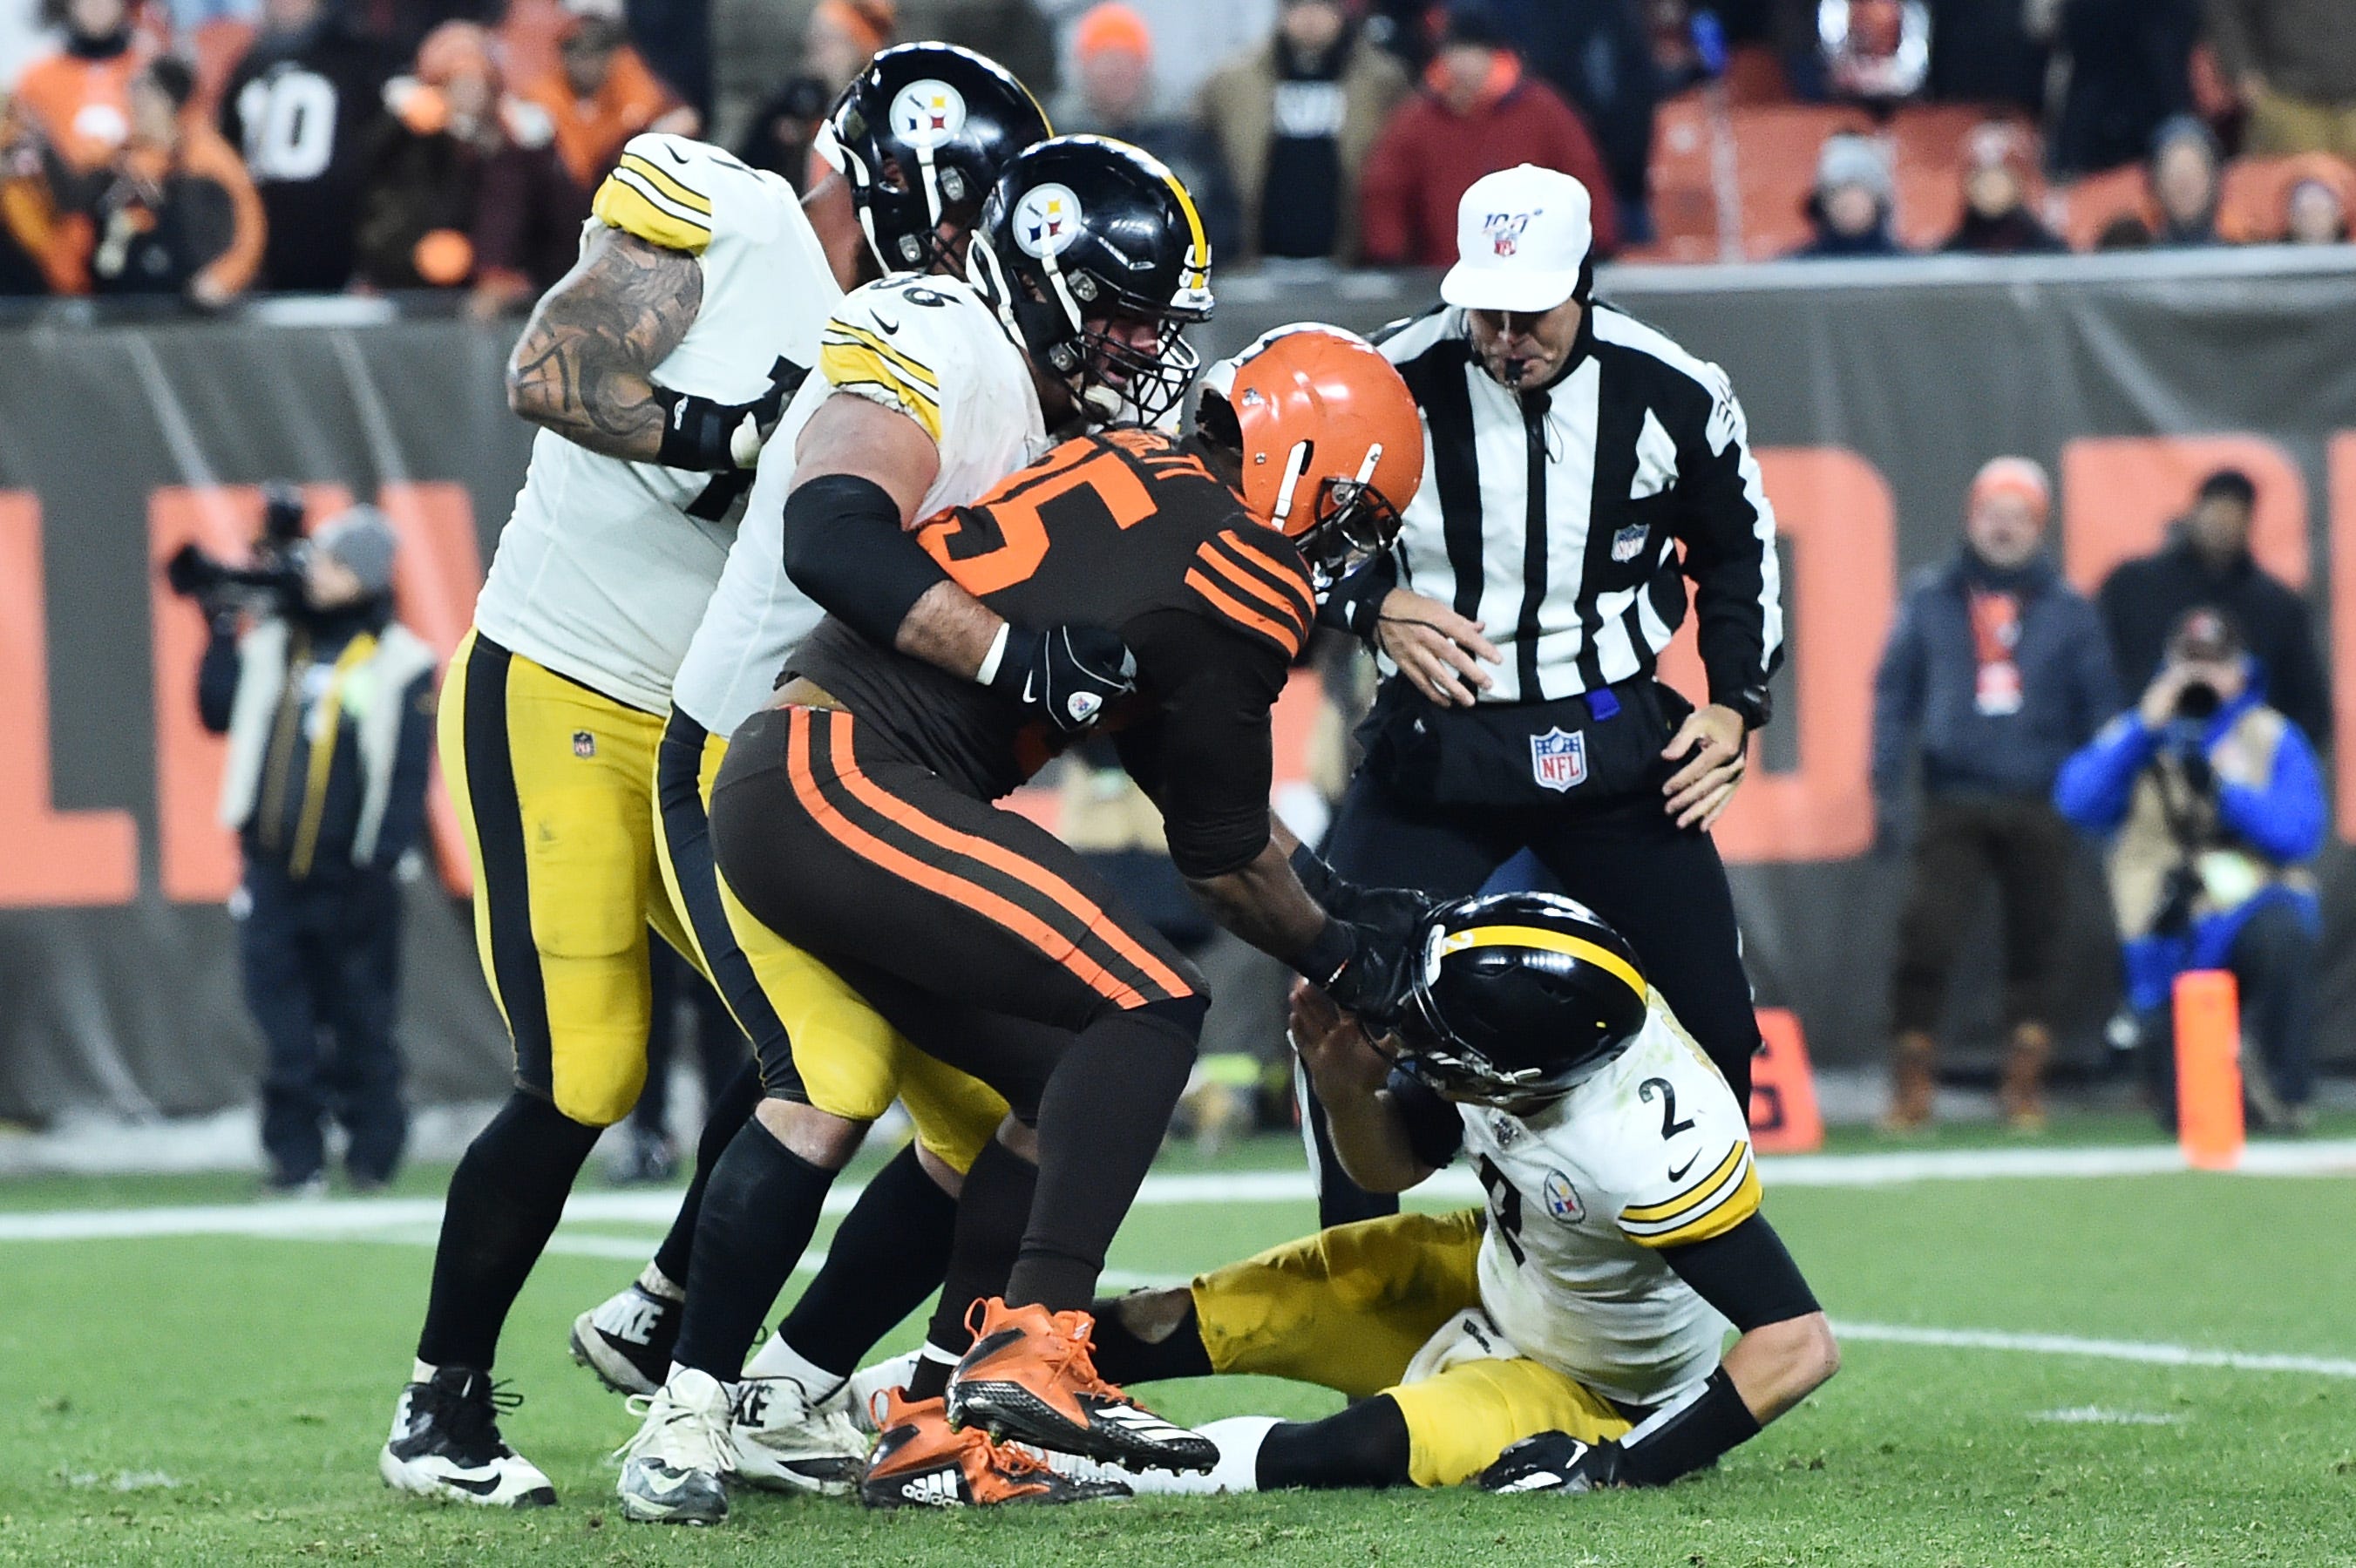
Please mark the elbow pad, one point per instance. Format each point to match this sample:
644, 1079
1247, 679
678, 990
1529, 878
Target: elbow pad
845, 549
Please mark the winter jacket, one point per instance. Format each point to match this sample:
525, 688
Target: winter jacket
2015, 233
1428, 156
2129, 70
1925, 693
1239, 104
518, 211
171, 216
2143, 599
2305, 49
2209, 822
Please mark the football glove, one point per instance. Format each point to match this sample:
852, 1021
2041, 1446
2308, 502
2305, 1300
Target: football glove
713, 437
1066, 675
1393, 914
1365, 970
1555, 1461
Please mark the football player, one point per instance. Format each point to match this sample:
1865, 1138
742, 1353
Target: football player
930, 396
1574, 1326
858, 811
656, 369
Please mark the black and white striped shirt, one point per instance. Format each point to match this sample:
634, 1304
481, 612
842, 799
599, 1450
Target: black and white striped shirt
1555, 516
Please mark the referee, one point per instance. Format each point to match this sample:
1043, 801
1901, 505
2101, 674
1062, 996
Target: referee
1581, 468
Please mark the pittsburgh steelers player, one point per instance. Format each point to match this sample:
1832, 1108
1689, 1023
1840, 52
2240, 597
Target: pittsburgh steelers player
930, 395
1574, 1326
858, 810
656, 368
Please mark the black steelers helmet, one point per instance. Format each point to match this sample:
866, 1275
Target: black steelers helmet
923, 134
1517, 998
1083, 231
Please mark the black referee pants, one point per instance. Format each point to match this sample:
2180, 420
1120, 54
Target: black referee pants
1664, 888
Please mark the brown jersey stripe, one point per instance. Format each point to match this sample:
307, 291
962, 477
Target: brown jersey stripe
937, 879
1284, 571
1285, 637
1251, 583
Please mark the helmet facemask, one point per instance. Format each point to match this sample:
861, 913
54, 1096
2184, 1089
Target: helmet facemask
1354, 523
1460, 1073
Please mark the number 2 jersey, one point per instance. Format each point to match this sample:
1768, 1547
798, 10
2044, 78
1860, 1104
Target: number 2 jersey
1651, 1152
1126, 531
605, 567
925, 345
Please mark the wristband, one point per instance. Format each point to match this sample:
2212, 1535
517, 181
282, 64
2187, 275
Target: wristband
1329, 954
996, 656
697, 434
1684, 1438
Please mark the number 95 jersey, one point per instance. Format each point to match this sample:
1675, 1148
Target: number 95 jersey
1651, 1152
604, 569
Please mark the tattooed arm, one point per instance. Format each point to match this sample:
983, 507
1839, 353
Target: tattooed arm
584, 366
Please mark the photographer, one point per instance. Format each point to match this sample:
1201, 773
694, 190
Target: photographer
329, 706
2213, 803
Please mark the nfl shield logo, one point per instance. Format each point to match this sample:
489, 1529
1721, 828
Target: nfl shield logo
1559, 761
1505, 231
1629, 542
583, 744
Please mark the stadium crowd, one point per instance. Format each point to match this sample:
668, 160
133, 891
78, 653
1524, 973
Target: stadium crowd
204, 148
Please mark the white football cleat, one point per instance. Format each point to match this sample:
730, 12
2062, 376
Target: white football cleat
446, 1444
786, 1442
674, 1471
627, 1338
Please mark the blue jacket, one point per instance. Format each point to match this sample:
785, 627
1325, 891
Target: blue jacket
1925, 693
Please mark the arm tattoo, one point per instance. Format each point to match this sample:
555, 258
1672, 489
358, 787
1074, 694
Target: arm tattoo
583, 366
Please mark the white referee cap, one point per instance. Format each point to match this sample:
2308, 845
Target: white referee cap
1522, 236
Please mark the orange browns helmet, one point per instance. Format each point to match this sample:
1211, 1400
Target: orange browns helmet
1333, 447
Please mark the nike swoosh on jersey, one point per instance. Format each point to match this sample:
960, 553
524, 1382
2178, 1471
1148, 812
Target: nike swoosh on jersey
1679, 1173
890, 327
674, 154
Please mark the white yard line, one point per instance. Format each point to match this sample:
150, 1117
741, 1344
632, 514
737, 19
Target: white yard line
2147, 1352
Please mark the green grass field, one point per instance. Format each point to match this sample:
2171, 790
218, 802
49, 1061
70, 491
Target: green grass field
220, 1398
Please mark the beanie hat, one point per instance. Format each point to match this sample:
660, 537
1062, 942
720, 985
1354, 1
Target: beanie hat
362, 540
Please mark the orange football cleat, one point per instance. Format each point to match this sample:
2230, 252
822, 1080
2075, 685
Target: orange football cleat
1030, 1376
921, 1461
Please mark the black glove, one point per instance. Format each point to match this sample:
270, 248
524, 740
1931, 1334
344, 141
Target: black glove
715, 438
1555, 1461
1395, 915
1366, 971
1066, 674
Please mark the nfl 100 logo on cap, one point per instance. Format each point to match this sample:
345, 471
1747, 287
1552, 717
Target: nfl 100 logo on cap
1559, 761
1505, 231
926, 113
1046, 219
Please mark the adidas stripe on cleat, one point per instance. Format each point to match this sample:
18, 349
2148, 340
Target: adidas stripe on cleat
923, 1462
1030, 1377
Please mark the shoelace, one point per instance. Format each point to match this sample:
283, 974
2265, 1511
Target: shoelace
471, 1415
704, 1447
1073, 1334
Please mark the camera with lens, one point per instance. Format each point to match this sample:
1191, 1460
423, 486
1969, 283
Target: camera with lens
270, 582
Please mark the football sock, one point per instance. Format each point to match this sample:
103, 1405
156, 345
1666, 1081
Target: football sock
887, 1256
1101, 1118
1123, 1358
777, 1359
930, 1379
725, 1114
1364, 1445
990, 1216
505, 1199
1239, 1438
758, 1216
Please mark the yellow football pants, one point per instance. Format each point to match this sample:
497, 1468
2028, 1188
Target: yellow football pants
816, 1038
555, 784
1351, 1307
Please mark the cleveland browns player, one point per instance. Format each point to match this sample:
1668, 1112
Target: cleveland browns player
858, 813
1567, 1338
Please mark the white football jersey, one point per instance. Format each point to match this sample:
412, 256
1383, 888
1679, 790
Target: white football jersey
1652, 1152
606, 564
923, 345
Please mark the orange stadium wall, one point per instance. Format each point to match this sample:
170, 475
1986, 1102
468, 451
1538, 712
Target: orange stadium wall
1869, 406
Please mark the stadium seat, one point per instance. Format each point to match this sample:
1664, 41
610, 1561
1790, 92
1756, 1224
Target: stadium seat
2095, 201
1754, 75
2253, 206
1776, 149
1684, 190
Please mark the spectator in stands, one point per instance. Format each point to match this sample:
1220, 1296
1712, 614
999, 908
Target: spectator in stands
2295, 63
463, 186
1997, 222
299, 107
1995, 671
178, 213
602, 94
1597, 55
842, 36
1875, 51
43, 247
2185, 183
1851, 206
326, 668
2213, 803
79, 98
1112, 53
2316, 206
1477, 114
1295, 120
2130, 68
2207, 562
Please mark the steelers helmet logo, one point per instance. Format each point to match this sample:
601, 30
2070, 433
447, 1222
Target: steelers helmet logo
926, 113
1046, 219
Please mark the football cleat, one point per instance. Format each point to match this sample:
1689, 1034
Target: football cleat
446, 1444
922, 1461
786, 1442
627, 1339
1029, 1377
673, 1471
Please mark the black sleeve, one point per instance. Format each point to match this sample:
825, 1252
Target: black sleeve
1745, 1275
1736, 600
217, 676
1355, 603
1206, 754
845, 549
1434, 1131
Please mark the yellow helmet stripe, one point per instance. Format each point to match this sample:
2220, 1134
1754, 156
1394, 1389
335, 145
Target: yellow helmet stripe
1200, 241
1538, 937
